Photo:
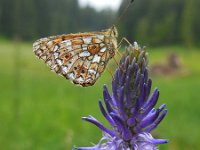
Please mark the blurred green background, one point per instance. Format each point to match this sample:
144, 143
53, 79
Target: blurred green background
40, 110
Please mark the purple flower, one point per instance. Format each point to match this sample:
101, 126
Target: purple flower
130, 109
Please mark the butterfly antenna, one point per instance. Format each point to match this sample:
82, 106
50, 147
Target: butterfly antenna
123, 12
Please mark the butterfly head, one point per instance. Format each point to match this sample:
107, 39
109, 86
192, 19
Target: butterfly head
114, 32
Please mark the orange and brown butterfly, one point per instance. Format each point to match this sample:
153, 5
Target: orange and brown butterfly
80, 57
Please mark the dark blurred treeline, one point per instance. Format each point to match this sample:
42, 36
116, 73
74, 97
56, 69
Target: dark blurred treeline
31, 19
163, 22
155, 22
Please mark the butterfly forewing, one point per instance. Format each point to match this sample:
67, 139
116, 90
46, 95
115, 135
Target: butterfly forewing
80, 57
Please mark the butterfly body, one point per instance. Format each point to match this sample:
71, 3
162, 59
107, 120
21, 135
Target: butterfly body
80, 57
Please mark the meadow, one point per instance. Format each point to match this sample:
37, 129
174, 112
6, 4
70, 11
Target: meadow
40, 110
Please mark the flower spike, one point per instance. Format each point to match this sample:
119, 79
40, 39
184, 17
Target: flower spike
130, 108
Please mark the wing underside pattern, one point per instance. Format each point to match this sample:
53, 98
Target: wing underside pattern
78, 57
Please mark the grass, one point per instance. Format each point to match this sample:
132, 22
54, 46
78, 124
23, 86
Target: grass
43, 111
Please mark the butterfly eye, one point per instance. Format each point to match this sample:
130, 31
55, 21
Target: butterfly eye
114, 31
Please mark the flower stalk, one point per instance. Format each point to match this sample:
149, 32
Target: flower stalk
130, 108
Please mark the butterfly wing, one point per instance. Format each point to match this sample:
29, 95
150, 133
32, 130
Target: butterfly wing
80, 57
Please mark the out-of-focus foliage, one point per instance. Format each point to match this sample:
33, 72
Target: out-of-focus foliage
40, 110
28, 20
162, 22
152, 22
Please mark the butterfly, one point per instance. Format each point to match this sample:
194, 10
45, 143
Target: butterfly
79, 57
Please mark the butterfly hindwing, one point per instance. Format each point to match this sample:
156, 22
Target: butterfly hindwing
80, 57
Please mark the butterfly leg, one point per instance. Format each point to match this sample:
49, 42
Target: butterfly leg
116, 62
110, 72
124, 39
